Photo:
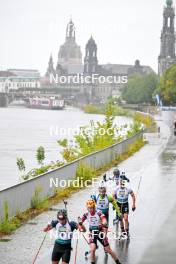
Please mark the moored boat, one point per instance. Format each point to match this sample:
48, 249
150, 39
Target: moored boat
52, 103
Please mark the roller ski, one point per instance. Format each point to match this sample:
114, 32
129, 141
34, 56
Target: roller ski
124, 236
116, 221
88, 252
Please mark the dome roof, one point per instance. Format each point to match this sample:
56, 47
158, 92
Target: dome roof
70, 51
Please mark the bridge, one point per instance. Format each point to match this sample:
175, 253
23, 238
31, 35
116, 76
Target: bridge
25, 93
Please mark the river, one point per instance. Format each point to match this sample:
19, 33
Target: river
23, 130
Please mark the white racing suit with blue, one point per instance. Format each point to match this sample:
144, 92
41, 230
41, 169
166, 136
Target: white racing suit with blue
121, 195
64, 233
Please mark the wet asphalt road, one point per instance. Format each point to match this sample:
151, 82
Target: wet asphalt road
156, 163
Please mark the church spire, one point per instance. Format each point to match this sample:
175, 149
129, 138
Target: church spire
50, 68
70, 31
167, 55
90, 60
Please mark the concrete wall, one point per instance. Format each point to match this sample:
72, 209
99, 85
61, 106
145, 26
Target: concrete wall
19, 196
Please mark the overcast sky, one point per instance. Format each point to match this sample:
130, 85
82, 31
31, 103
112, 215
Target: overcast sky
124, 30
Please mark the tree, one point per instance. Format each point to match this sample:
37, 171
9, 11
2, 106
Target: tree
91, 138
167, 86
140, 89
40, 155
21, 165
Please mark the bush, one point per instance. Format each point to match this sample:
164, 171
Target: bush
36, 201
84, 172
7, 226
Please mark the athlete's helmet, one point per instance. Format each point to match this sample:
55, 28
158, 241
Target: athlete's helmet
90, 204
102, 189
62, 213
116, 172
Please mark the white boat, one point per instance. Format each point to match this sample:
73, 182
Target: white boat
52, 103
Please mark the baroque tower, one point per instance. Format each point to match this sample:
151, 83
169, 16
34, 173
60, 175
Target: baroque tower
167, 55
70, 55
50, 69
90, 60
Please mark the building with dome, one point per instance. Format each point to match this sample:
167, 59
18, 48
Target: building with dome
69, 64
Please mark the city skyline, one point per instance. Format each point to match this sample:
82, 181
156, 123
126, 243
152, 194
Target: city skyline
131, 31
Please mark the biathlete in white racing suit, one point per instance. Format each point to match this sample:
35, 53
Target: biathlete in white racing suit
64, 233
121, 195
103, 201
117, 176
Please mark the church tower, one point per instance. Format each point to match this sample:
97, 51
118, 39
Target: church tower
50, 69
90, 60
167, 55
70, 31
70, 56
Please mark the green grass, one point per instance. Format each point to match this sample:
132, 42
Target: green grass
118, 111
37, 202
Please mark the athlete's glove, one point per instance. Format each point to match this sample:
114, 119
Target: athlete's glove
79, 221
47, 228
81, 227
133, 208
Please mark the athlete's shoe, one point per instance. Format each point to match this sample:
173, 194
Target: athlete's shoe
123, 235
115, 221
128, 235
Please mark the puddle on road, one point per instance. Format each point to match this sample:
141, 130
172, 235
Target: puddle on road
54, 209
32, 223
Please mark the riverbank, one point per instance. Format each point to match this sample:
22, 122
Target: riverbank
142, 117
118, 111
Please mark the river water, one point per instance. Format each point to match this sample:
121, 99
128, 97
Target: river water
23, 130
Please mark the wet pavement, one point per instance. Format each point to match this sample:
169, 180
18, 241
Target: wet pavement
155, 165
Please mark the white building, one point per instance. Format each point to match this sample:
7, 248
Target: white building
14, 79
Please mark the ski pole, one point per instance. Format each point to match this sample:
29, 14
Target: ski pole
76, 251
85, 238
138, 187
39, 248
86, 252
